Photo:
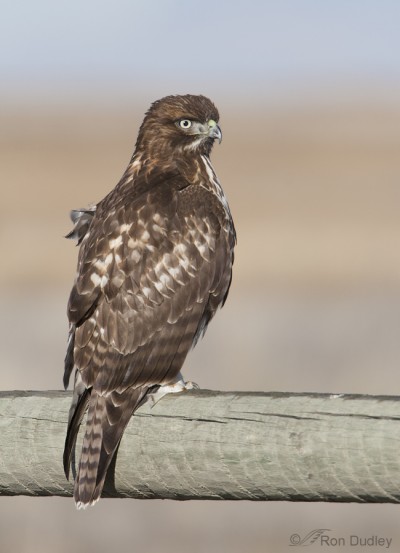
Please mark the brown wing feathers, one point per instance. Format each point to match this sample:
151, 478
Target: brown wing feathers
154, 265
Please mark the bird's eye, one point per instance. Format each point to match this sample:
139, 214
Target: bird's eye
185, 123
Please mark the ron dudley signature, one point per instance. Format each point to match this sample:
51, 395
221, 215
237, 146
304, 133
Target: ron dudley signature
323, 538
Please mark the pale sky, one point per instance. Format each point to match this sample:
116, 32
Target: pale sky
247, 45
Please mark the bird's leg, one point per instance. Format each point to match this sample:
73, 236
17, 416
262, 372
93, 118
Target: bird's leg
178, 385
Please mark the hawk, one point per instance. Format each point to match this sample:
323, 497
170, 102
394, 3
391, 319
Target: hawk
155, 263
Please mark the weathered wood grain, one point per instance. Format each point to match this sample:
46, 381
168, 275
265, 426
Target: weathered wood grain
218, 445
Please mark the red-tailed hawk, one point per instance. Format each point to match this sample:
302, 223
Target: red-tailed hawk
155, 263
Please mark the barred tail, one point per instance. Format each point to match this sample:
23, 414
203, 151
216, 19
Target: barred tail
107, 419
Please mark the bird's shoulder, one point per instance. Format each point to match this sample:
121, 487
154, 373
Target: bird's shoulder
160, 194
138, 227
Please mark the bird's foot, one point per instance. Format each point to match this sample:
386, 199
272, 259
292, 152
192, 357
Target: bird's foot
178, 386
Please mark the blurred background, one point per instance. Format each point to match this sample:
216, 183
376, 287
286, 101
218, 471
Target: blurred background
308, 93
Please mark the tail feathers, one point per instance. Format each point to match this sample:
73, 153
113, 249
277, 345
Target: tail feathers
107, 419
69, 357
80, 401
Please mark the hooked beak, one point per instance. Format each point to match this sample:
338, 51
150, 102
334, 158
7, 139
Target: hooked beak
214, 131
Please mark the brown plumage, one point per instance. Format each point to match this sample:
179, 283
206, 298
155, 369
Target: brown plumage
155, 263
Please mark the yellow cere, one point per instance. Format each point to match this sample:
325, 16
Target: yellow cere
211, 123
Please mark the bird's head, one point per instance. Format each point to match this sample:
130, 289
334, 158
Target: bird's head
179, 124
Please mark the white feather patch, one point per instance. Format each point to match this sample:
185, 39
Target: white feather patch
114, 243
99, 280
103, 264
125, 227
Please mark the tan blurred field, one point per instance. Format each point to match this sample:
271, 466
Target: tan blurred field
314, 191
315, 301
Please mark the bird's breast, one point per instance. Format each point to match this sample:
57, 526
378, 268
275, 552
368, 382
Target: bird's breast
215, 185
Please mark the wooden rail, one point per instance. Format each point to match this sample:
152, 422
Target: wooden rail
218, 445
